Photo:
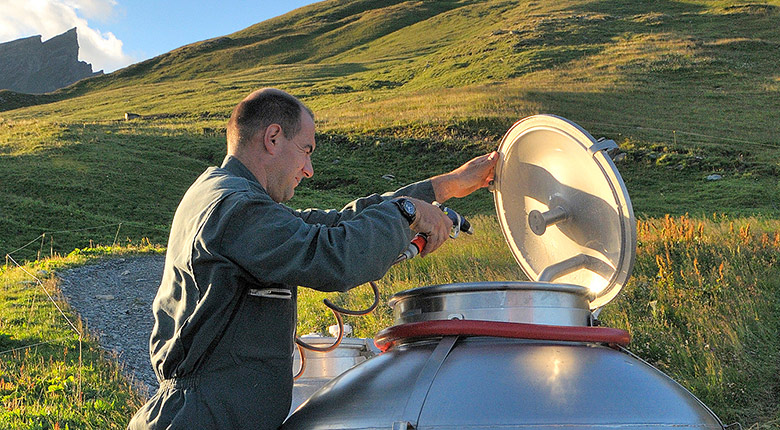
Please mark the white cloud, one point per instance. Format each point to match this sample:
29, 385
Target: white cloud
52, 17
93, 9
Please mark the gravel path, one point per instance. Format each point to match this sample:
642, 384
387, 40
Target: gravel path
114, 297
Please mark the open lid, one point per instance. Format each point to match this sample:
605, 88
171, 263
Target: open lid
563, 207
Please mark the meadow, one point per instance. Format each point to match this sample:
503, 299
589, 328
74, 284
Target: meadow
703, 305
688, 89
53, 372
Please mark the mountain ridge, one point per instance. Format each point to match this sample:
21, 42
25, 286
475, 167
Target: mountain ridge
32, 66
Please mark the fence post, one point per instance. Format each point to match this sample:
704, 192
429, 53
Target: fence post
40, 250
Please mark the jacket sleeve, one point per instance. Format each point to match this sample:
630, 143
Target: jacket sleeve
422, 190
276, 245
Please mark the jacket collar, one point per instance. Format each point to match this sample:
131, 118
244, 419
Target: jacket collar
236, 167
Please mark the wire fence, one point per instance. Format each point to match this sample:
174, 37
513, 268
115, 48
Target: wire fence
674, 132
10, 260
42, 237
62, 313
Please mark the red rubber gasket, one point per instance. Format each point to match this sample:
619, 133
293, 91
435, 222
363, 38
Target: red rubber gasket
387, 338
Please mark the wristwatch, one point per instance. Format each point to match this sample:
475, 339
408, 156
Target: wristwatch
407, 209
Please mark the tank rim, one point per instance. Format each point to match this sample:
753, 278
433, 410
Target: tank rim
489, 286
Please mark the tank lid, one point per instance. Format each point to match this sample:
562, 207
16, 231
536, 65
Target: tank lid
563, 207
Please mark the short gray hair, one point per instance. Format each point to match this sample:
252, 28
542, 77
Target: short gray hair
259, 110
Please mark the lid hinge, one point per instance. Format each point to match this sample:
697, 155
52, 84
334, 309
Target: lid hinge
602, 145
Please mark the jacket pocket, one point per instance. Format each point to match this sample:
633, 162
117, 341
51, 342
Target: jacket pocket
262, 331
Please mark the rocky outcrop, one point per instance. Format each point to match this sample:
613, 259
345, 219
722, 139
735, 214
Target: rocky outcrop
31, 66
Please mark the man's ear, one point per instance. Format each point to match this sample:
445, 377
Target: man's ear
271, 138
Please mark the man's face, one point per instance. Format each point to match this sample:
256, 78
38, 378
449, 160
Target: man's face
293, 161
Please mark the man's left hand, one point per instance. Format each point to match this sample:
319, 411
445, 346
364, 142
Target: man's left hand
475, 174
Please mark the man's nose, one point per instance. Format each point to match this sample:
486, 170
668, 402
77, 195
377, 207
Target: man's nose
308, 169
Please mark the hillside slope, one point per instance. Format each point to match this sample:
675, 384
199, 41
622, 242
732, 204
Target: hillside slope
688, 89
662, 64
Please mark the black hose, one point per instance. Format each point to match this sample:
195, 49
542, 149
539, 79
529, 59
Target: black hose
341, 310
337, 311
335, 345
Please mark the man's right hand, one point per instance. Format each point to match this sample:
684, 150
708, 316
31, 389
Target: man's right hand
433, 223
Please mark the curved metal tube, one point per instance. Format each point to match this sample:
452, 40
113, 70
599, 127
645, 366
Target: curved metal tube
335, 344
303, 362
337, 311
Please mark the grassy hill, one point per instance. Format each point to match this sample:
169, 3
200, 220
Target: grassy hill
687, 88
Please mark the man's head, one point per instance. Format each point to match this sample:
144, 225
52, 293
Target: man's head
259, 110
272, 133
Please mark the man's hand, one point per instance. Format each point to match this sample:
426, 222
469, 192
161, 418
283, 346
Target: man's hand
475, 174
432, 222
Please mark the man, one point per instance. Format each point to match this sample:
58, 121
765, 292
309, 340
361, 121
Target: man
225, 313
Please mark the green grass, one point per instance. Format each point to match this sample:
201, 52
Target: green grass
108, 182
53, 373
686, 88
704, 307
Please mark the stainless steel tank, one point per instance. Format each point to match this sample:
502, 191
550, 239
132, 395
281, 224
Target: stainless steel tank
521, 355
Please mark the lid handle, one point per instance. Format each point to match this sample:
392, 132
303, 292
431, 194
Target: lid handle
539, 221
572, 264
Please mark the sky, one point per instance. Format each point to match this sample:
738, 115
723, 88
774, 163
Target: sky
116, 33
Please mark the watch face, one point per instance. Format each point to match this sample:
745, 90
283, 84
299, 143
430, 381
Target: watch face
409, 208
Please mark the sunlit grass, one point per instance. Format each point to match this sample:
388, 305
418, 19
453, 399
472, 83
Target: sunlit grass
53, 373
703, 305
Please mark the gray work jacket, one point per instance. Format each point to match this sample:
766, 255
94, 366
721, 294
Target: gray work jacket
224, 357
